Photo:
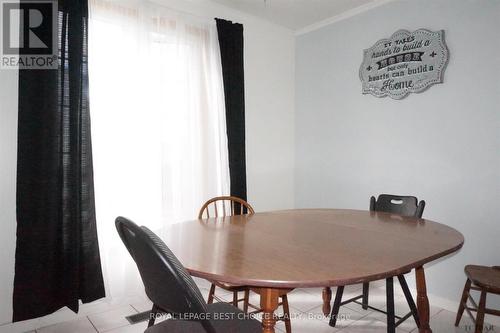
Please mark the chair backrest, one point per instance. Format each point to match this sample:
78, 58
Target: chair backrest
225, 206
167, 283
398, 204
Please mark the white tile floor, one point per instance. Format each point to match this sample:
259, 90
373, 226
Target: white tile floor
305, 307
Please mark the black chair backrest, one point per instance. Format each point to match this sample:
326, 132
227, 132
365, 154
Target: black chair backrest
167, 283
398, 204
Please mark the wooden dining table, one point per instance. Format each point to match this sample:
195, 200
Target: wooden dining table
276, 252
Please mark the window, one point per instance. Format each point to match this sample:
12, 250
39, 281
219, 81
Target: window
158, 121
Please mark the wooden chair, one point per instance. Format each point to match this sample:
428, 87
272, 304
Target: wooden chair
227, 206
485, 280
404, 206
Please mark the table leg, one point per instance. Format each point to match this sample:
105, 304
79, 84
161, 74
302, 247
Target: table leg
269, 299
327, 297
422, 301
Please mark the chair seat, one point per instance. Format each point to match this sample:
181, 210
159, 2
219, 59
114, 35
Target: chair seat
229, 286
233, 321
484, 277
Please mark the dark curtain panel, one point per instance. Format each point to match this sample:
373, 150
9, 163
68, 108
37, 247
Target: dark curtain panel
231, 48
57, 254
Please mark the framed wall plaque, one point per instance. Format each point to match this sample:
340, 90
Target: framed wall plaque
407, 62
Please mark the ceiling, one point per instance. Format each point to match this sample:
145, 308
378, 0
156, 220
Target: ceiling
295, 14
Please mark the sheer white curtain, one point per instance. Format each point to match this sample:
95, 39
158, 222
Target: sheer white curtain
158, 123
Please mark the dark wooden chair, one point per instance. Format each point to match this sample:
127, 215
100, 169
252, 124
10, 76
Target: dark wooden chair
485, 280
228, 206
172, 290
405, 206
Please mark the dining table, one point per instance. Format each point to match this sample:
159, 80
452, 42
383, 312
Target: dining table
275, 252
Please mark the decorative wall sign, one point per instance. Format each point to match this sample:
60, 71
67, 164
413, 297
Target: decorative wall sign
407, 62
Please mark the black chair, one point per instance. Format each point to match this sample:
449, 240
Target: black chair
172, 290
405, 206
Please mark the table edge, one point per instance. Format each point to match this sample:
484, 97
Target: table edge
335, 282
323, 283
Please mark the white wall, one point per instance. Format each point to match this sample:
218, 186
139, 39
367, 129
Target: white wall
269, 94
349, 146
8, 160
441, 145
269, 85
